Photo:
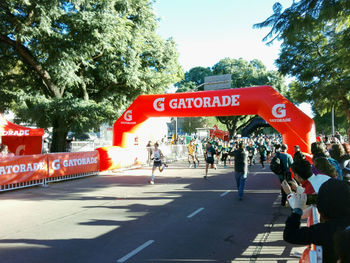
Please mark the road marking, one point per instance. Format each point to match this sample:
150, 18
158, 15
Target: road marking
135, 251
195, 212
223, 194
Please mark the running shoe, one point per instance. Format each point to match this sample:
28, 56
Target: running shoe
151, 182
205, 177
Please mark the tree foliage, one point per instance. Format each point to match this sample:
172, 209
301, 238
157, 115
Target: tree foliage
193, 79
74, 65
315, 50
190, 124
244, 74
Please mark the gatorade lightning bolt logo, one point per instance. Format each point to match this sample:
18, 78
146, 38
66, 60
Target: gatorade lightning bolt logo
128, 115
158, 104
279, 111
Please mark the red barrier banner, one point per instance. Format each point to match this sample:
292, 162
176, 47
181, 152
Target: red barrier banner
18, 169
62, 164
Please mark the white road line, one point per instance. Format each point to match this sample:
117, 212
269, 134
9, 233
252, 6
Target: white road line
223, 194
135, 251
195, 212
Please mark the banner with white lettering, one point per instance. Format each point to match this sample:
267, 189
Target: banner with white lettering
62, 164
18, 169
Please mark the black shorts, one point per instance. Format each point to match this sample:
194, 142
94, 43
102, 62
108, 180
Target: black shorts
157, 163
210, 160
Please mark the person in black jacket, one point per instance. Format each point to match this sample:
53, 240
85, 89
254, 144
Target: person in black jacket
241, 168
333, 204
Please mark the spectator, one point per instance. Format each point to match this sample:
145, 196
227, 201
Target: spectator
338, 153
336, 215
281, 175
298, 155
241, 168
318, 150
339, 137
4, 151
287, 161
346, 148
324, 167
303, 174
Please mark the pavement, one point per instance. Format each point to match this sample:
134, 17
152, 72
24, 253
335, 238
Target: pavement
119, 217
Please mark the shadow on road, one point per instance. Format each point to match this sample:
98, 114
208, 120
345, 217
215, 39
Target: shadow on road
106, 214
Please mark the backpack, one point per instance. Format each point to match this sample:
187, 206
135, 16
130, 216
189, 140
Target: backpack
276, 165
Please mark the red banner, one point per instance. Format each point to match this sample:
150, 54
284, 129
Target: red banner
294, 125
18, 169
61, 164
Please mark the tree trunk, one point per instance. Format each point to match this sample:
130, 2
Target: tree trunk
59, 136
232, 130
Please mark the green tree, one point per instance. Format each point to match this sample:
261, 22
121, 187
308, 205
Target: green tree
324, 121
246, 74
79, 63
193, 79
211, 121
190, 124
316, 36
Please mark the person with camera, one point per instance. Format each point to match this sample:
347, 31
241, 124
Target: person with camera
335, 214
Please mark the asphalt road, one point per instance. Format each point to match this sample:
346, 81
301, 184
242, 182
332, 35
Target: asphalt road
119, 217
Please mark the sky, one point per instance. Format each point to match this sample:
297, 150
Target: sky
207, 31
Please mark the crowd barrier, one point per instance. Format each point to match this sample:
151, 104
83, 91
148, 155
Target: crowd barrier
313, 253
30, 170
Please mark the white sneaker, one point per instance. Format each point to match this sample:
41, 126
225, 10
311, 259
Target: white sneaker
151, 182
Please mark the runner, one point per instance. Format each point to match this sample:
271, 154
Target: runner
191, 154
251, 153
157, 161
209, 158
263, 153
224, 155
196, 152
218, 149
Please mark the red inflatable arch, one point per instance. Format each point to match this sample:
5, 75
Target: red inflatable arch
295, 126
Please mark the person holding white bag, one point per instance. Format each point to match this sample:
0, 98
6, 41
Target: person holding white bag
336, 217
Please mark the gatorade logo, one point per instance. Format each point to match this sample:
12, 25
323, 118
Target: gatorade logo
158, 104
128, 115
279, 111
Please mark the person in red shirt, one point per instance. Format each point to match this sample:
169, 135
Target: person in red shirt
303, 174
